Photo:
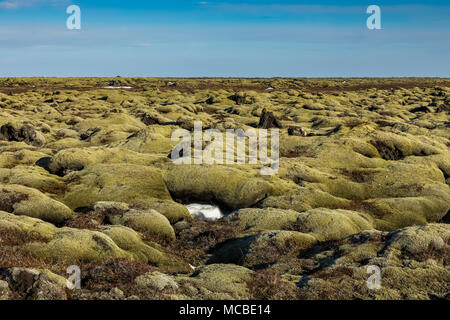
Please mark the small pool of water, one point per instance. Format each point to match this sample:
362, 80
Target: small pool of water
205, 211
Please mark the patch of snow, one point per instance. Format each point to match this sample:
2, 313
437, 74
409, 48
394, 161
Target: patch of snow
205, 211
111, 87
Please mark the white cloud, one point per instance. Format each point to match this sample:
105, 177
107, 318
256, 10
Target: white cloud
318, 8
16, 4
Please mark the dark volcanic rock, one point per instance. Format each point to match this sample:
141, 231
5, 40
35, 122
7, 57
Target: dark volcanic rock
297, 131
26, 133
268, 120
420, 109
149, 120
36, 285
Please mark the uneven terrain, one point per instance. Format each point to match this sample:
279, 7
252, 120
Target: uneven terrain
86, 179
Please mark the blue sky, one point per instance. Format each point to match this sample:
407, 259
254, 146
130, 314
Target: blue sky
225, 38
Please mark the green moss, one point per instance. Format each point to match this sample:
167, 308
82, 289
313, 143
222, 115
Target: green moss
130, 241
256, 251
325, 224
30, 202
217, 282
76, 159
170, 209
75, 246
229, 186
26, 226
150, 223
115, 182
266, 219
33, 177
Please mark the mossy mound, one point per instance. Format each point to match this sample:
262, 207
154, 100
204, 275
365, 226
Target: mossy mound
30, 202
421, 243
396, 147
75, 246
19, 153
131, 241
76, 159
419, 254
394, 213
131, 184
22, 132
26, 227
157, 282
262, 250
36, 284
217, 282
171, 210
150, 223
229, 186
33, 177
264, 219
155, 139
303, 199
325, 224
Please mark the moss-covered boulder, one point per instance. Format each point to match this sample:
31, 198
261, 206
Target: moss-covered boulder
18, 153
154, 139
25, 227
22, 132
265, 219
395, 213
131, 184
305, 198
150, 223
131, 241
34, 284
170, 209
325, 224
230, 186
256, 251
25, 201
33, 177
156, 281
173, 211
75, 246
76, 159
421, 243
217, 282
392, 146
419, 254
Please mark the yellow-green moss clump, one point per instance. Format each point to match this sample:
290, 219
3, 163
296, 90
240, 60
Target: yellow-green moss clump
31, 202
86, 177
229, 186
131, 184
255, 251
418, 252
130, 241
75, 246
148, 222
33, 177
265, 219
26, 226
325, 224
217, 282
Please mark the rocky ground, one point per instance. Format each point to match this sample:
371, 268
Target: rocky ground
86, 179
